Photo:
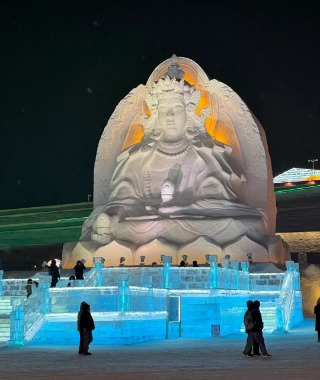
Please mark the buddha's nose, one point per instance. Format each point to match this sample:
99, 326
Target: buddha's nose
170, 113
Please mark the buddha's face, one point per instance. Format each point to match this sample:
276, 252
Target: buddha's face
172, 118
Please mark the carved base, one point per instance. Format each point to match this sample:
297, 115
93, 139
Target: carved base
273, 249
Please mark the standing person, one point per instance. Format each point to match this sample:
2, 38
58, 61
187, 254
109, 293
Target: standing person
29, 287
255, 345
317, 314
86, 327
79, 268
81, 350
54, 272
255, 334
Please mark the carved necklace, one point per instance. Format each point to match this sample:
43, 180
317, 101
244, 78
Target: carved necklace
171, 145
174, 154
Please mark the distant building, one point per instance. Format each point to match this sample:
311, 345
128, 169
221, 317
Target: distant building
297, 175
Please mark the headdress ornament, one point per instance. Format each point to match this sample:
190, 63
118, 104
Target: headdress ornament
169, 87
173, 85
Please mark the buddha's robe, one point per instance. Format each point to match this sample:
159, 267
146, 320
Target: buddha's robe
202, 204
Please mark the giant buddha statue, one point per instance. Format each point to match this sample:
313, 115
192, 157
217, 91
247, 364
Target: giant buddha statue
165, 183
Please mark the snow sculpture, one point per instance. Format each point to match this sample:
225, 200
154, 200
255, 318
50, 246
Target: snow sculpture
181, 159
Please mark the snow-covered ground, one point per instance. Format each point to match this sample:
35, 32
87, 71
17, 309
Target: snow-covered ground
295, 356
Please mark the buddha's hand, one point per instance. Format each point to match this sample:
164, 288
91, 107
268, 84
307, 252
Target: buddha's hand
103, 227
150, 210
169, 210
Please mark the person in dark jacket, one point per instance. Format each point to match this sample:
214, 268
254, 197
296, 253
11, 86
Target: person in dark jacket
81, 350
255, 345
54, 272
317, 314
78, 270
255, 334
29, 287
86, 326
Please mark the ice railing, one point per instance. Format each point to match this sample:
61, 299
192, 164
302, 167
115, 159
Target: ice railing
231, 275
141, 289
134, 289
27, 317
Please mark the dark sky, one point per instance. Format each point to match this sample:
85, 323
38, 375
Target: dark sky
65, 65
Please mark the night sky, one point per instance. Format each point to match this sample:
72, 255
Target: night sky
65, 65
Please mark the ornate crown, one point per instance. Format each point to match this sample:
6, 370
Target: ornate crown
168, 87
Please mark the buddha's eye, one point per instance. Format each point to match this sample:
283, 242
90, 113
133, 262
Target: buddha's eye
178, 108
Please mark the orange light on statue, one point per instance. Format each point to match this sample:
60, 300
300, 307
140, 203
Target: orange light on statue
134, 136
204, 99
222, 136
135, 131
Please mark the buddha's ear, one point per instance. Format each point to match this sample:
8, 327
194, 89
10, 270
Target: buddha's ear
157, 133
191, 131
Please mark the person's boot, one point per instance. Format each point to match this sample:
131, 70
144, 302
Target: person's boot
86, 352
80, 350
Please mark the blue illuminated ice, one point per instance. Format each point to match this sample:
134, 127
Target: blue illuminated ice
136, 304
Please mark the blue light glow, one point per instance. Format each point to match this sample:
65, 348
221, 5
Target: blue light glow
131, 304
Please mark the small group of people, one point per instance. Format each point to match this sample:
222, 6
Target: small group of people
184, 264
85, 328
54, 272
254, 325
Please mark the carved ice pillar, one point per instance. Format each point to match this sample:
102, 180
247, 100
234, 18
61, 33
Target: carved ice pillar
225, 272
167, 260
245, 277
234, 280
17, 323
124, 293
290, 266
98, 264
213, 274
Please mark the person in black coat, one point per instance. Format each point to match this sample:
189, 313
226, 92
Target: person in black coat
255, 345
255, 334
78, 270
86, 325
29, 287
54, 272
317, 314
